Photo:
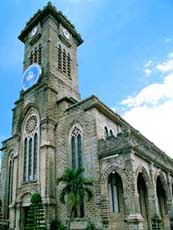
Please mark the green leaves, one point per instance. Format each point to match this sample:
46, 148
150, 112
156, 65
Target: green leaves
36, 217
76, 188
36, 198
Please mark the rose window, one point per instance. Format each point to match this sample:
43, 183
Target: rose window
31, 124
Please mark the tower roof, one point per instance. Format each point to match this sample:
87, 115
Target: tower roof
49, 9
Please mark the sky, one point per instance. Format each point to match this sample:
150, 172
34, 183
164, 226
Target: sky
126, 59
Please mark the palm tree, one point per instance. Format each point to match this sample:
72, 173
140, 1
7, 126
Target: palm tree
76, 187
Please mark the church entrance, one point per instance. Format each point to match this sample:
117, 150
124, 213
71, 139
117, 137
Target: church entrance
25, 216
23, 210
24, 213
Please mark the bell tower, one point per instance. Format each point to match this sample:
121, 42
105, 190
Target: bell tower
51, 41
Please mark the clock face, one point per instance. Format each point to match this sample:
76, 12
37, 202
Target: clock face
66, 33
31, 76
34, 31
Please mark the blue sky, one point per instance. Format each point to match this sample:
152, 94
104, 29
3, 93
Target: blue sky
126, 59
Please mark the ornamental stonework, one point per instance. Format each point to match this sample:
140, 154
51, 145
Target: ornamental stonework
31, 124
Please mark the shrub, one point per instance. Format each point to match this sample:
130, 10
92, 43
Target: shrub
90, 226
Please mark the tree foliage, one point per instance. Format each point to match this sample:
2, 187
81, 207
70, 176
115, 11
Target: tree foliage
36, 216
76, 188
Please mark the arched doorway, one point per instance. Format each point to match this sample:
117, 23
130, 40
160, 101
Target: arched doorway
162, 202
116, 201
143, 200
25, 203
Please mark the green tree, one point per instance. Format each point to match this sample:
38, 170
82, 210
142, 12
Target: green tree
76, 187
35, 219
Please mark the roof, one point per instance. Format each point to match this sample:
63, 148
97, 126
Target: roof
94, 102
48, 10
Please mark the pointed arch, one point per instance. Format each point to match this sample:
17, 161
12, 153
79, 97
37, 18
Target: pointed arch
163, 194
75, 138
106, 133
163, 179
143, 198
30, 145
146, 177
76, 141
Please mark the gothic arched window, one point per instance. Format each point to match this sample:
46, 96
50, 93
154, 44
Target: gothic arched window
76, 148
111, 132
10, 177
77, 160
31, 147
106, 132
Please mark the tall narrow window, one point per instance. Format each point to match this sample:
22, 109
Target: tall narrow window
35, 155
31, 58
73, 146
79, 151
115, 188
31, 147
25, 160
68, 65
10, 181
59, 58
35, 55
30, 160
39, 54
64, 61
76, 148
111, 133
106, 132
76, 155
113, 194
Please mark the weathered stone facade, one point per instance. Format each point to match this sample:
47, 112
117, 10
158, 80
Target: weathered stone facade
133, 179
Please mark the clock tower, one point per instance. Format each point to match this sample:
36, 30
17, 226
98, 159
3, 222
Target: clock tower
51, 41
50, 86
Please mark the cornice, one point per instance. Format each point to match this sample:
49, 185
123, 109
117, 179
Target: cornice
49, 9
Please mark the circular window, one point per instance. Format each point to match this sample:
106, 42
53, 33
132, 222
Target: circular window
31, 124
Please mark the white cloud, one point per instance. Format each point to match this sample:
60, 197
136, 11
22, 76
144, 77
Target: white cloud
148, 68
165, 66
170, 55
147, 71
152, 94
155, 123
148, 64
151, 110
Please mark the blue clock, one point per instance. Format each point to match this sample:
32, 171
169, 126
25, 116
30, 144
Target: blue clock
31, 76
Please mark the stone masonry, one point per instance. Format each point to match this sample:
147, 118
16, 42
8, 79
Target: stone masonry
133, 179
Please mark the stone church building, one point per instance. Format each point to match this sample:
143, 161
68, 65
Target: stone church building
54, 129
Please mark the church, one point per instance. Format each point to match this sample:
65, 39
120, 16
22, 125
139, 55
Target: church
53, 129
